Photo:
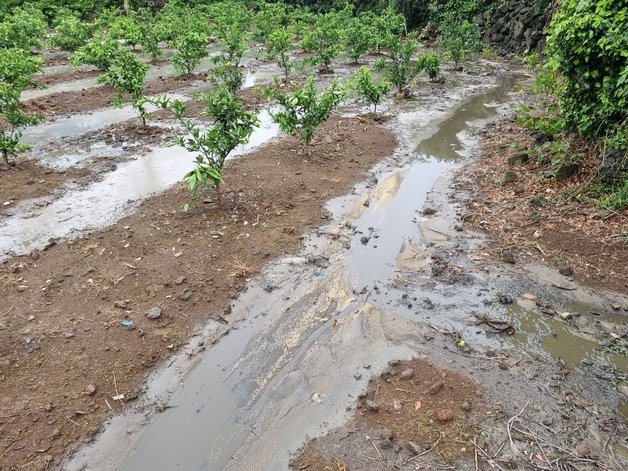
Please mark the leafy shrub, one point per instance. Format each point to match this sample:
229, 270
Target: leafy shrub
588, 48
99, 51
127, 28
191, 48
279, 45
23, 28
232, 126
362, 82
127, 74
16, 71
71, 33
305, 109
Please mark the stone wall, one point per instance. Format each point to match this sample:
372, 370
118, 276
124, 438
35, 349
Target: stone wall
517, 26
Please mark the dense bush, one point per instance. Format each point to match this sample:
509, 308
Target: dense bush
588, 48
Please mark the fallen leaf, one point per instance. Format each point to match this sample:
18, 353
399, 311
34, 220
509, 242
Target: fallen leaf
528, 296
417, 405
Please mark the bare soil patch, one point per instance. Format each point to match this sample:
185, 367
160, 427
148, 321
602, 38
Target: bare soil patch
62, 77
100, 97
73, 329
27, 179
413, 408
533, 217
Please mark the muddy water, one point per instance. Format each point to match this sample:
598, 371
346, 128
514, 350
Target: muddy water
86, 209
284, 371
270, 367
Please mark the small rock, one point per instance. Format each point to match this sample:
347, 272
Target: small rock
387, 372
547, 421
362, 395
89, 390
48, 407
508, 257
387, 438
56, 433
505, 299
414, 448
466, 406
509, 177
445, 415
179, 280
436, 388
566, 271
357, 376
394, 362
428, 210
69, 335
364, 240
371, 405
566, 316
407, 374
185, 294
397, 404
153, 313
122, 304
583, 449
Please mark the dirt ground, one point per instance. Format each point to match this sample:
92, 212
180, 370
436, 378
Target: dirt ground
409, 410
99, 97
573, 235
75, 334
27, 179
53, 79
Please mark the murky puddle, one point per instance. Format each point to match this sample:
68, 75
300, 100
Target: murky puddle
259, 372
105, 202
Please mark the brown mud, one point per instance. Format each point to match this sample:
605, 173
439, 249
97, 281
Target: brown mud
62, 103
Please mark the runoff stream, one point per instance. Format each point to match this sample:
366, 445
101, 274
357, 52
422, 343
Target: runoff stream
291, 360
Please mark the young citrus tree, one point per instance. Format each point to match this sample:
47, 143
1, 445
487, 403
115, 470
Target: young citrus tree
16, 71
460, 38
23, 28
191, 48
71, 33
99, 51
430, 63
362, 82
127, 74
360, 38
233, 125
270, 17
398, 66
305, 108
279, 46
325, 40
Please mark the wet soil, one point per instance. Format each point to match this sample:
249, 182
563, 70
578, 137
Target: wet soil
74, 333
533, 217
411, 409
63, 77
27, 179
100, 97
